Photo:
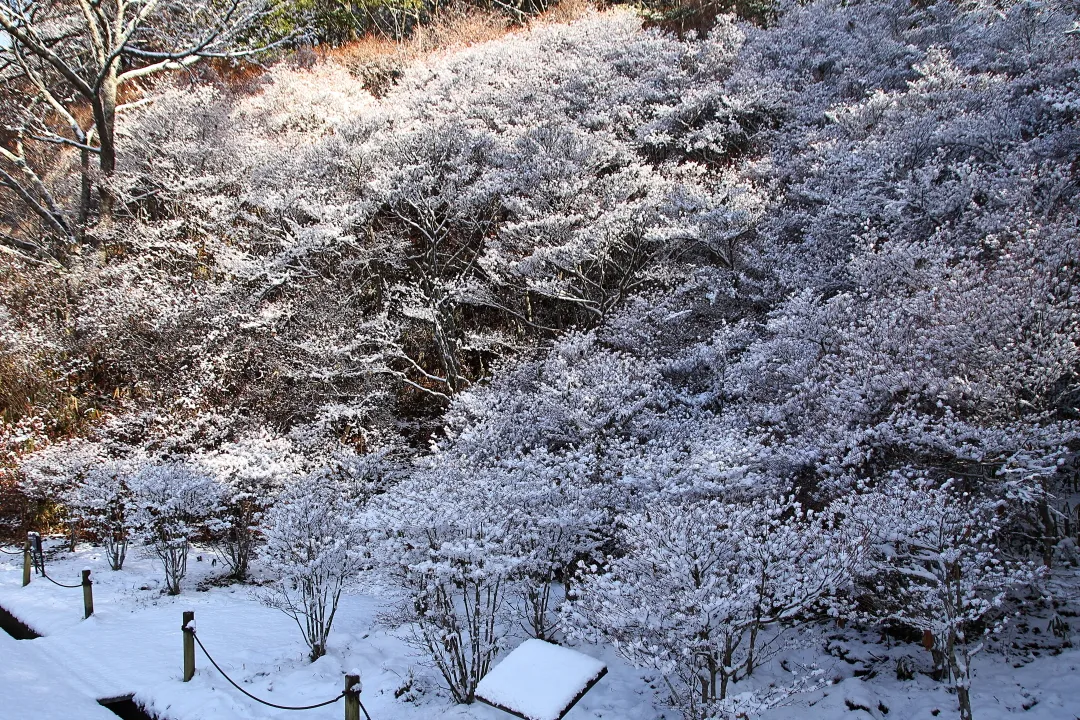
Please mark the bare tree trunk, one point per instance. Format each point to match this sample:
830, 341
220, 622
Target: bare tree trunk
933, 644
755, 624
965, 703
537, 600
116, 550
961, 674
725, 664
753, 641
1049, 532
105, 116
84, 195
173, 555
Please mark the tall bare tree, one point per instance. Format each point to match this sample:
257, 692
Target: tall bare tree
65, 65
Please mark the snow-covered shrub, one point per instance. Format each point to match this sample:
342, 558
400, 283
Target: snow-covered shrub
799, 561
181, 154
675, 602
53, 474
173, 502
549, 457
315, 549
698, 581
549, 518
558, 524
448, 548
249, 473
939, 568
104, 504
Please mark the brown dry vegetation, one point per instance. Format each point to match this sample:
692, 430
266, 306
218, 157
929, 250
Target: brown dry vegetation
66, 392
378, 61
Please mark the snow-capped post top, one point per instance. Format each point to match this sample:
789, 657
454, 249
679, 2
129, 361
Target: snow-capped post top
540, 681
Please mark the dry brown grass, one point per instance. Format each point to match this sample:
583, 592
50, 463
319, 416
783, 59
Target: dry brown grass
457, 28
378, 61
566, 11
366, 49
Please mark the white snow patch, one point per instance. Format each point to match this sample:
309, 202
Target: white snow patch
35, 687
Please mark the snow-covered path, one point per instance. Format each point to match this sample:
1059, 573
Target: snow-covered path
32, 685
133, 644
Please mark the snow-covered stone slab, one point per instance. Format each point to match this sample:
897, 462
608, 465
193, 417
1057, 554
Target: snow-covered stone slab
540, 681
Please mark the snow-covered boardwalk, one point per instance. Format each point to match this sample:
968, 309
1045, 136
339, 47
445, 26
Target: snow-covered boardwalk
34, 686
133, 644
106, 655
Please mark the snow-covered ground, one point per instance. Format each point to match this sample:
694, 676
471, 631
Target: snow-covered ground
133, 644
1043, 687
33, 686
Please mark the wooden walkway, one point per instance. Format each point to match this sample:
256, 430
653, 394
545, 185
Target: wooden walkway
31, 686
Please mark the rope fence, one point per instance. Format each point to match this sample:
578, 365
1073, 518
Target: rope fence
60, 584
351, 694
32, 556
256, 699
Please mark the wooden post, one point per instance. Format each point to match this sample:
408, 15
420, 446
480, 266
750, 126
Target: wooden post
352, 697
189, 644
37, 552
87, 594
26, 562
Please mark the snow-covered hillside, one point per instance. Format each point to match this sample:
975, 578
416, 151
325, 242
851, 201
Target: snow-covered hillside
748, 361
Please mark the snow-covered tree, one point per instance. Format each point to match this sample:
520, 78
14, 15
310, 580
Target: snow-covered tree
560, 521
448, 546
697, 582
104, 504
940, 568
675, 602
59, 59
314, 548
798, 561
53, 474
173, 502
249, 473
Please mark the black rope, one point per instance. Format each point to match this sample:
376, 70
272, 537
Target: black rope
8, 552
56, 583
259, 700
